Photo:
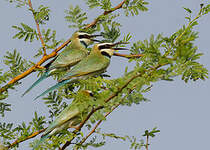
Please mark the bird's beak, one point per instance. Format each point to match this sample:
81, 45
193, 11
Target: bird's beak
118, 43
93, 36
119, 48
95, 40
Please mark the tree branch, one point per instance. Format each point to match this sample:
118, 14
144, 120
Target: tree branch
29, 137
38, 28
105, 13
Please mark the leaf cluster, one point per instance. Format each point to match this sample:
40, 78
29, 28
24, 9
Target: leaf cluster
133, 7
25, 32
17, 65
76, 17
19, 3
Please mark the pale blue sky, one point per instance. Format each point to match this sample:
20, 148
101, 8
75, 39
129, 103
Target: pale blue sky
181, 111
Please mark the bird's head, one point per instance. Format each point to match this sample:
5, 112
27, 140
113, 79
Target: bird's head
84, 38
107, 49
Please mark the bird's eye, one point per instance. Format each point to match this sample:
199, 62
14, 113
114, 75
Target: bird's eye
91, 94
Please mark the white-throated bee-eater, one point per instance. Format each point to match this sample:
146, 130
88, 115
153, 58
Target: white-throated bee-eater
71, 55
94, 64
70, 117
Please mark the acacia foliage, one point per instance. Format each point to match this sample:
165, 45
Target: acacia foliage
164, 58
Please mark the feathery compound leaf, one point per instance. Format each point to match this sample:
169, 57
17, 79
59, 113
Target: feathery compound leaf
16, 63
134, 6
103, 4
19, 3
25, 31
76, 17
4, 107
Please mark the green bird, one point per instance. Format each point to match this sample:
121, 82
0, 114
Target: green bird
71, 55
70, 117
94, 64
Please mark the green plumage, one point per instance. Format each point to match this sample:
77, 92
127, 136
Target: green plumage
69, 57
93, 64
70, 117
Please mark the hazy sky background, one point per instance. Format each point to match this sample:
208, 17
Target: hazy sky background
181, 111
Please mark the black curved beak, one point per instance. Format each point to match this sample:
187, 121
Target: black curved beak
93, 36
118, 43
95, 40
120, 48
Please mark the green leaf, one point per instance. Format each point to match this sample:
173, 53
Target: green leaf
188, 10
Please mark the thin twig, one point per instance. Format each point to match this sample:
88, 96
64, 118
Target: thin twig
29, 137
38, 28
188, 26
98, 123
147, 143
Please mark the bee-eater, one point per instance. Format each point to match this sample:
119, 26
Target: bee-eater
70, 117
71, 55
94, 64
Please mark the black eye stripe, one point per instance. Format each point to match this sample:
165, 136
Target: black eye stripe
104, 47
85, 44
105, 54
85, 36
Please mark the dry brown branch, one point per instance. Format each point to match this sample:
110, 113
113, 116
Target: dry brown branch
29, 137
38, 28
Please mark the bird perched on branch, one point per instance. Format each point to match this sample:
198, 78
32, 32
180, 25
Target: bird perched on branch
94, 64
70, 117
71, 55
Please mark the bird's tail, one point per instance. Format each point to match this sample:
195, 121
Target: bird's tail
59, 84
44, 76
43, 138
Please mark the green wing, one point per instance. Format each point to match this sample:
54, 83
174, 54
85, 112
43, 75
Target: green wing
93, 63
66, 115
69, 57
